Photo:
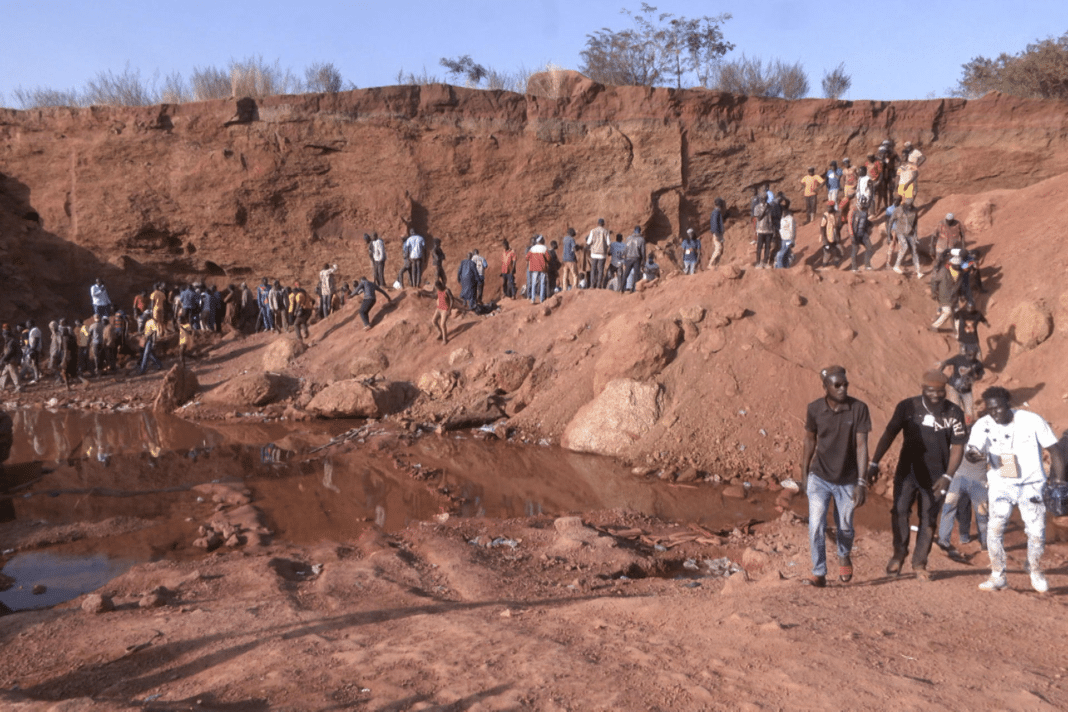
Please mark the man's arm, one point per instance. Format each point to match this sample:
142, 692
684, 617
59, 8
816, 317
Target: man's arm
860, 493
1056, 462
806, 456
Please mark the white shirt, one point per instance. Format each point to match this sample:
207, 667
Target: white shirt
378, 250
1023, 438
99, 295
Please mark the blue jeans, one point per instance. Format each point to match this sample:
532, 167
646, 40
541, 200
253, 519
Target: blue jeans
148, 355
785, 256
977, 493
266, 319
820, 493
537, 286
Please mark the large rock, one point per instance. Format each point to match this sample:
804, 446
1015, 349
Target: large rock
614, 421
346, 399
634, 349
251, 389
509, 371
367, 365
178, 388
1032, 324
281, 352
356, 399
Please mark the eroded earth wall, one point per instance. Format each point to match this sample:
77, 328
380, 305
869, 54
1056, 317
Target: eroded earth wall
238, 190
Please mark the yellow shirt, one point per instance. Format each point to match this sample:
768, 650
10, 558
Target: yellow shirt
812, 184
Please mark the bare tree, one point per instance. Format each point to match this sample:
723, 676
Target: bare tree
416, 79
836, 82
125, 89
465, 67
41, 97
175, 90
322, 78
255, 78
210, 83
659, 46
750, 76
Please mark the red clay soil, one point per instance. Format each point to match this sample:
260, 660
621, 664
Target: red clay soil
572, 617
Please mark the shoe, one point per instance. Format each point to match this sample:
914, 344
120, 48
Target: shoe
893, 567
951, 552
899, 270
922, 574
1039, 582
996, 582
815, 582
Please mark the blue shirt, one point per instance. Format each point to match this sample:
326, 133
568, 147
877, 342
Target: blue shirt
618, 251
717, 223
690, 248
834, 179
569, 249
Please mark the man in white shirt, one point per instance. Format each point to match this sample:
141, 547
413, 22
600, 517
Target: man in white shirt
1011, 441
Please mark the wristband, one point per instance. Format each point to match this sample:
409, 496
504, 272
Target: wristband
861, 483
873, 463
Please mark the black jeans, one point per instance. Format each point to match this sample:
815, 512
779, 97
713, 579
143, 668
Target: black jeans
380, 273
599, 277
365, 310
906, 491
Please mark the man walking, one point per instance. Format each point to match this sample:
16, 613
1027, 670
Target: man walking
931, 451
1011, 442
832, 468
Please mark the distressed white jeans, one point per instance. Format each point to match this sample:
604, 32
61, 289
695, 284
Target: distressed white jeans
1028, 498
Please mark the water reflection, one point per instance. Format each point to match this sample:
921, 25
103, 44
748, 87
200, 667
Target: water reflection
60, 577
139, 465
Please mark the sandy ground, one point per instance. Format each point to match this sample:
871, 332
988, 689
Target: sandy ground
591, 613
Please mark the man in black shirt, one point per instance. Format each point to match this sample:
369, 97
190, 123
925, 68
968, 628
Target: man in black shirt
967, 370
931, 451
832, 466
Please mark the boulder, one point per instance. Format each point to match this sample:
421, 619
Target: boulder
509, 371
634, 349
281, 352
614, 421
438, 384
97, 603
693, 313
178, 388
251, 389
346, 399
367, 365
1032, 324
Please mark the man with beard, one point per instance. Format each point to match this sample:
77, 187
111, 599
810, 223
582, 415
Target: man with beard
931, 450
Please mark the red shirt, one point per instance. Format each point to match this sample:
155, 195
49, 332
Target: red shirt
443, 300
536, 261
508, 262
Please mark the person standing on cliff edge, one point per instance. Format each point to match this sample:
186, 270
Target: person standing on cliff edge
833, 468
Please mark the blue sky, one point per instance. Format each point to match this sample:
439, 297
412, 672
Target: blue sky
892, 51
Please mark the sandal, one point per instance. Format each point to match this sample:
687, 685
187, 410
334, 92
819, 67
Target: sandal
893, 567
845, 569
815, 582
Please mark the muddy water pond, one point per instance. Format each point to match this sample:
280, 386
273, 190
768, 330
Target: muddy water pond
106, 489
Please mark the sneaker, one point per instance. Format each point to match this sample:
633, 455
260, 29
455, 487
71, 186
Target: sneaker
952, 552
996, 582
893, 567
899, 270
1039, 582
